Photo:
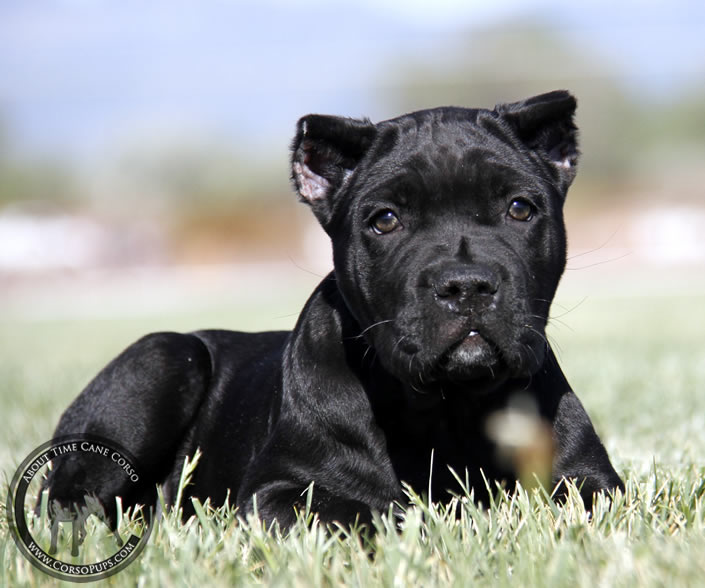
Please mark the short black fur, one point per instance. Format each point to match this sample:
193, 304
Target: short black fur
406, 349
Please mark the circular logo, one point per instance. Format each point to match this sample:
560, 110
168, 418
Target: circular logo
37, 529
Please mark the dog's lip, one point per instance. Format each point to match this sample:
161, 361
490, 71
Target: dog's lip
472, 356
470, 348
474, 338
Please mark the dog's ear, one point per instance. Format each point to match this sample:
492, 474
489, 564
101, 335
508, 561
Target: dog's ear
324, 153
545, 124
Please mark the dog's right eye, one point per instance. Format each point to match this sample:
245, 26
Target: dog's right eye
385, 222
521, 210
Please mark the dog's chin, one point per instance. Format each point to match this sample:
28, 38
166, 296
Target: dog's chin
472, 358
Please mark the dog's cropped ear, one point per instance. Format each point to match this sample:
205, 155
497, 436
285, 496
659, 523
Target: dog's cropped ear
324, 153
545, 124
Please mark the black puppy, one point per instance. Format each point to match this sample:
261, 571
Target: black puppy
448, 243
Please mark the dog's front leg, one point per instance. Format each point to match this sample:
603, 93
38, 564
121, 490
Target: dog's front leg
342, 476
281, 501
579, 453
326, 437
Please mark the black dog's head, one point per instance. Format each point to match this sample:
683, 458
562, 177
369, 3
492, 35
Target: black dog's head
447, 231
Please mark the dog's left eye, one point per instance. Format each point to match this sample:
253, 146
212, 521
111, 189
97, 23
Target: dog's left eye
385, 222
521, 210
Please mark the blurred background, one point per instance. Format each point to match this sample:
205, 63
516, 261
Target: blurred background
144, 145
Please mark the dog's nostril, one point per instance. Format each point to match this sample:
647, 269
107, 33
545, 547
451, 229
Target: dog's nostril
484, 289
450, 291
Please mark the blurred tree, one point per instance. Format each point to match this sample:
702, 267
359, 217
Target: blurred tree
672, 139
32, 181
198, 174
519, 60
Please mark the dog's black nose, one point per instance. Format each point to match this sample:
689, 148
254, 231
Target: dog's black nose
458, 286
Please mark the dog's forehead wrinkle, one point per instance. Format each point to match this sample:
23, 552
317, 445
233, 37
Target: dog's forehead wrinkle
446, 168
445, 125
442, 115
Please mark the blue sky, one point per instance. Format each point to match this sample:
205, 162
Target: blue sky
80, 77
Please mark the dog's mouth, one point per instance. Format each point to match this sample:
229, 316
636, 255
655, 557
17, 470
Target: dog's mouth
473, 356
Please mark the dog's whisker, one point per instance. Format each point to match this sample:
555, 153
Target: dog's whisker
603, 262
372, 326
571, 309
554, 321
602, 246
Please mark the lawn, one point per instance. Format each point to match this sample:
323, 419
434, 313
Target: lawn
638, 364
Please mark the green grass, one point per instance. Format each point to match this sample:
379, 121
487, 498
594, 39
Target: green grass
638, 368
